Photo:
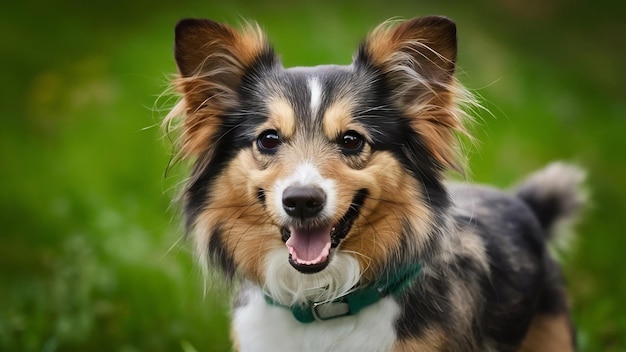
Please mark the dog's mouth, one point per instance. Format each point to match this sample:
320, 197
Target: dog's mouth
310, 248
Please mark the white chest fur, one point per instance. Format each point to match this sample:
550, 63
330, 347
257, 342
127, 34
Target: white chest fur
260, 326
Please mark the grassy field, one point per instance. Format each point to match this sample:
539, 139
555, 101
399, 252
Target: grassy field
91, 256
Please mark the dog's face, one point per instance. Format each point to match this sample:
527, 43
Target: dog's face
326, 170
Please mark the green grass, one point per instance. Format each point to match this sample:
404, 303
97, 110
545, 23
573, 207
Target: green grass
91, 256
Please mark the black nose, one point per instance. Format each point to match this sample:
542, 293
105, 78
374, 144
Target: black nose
303, 202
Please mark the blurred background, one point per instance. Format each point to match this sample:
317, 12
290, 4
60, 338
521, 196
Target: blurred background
91, 256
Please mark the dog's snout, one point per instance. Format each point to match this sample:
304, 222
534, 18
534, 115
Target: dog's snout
303, 202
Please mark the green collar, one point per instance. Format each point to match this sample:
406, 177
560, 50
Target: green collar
353, 302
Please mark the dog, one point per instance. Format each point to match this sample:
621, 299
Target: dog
320, 195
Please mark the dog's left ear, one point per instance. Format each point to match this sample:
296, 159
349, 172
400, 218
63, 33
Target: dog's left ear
418, 59
422, 48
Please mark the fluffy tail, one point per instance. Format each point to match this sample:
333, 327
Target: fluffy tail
556, 196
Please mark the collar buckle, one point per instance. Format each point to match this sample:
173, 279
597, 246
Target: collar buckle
330, 310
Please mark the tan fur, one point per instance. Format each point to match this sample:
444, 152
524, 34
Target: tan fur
338, 118
430, 341
281, 118
438, 121
376, 234
248, 233
549, 333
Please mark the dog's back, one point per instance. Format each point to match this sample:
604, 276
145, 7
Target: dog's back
524, 294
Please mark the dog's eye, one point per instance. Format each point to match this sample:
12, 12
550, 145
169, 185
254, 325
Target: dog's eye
268, 141
351, 142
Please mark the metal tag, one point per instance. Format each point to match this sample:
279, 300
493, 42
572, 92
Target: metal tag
329, 310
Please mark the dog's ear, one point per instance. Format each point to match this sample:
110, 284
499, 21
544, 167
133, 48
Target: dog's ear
212, 59
418, 59
422, 48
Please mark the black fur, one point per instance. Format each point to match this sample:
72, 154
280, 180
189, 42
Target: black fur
219, 254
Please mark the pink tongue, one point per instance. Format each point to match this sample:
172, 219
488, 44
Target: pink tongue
310, 246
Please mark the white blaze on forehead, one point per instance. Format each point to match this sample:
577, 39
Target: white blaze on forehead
316, 95
306, 174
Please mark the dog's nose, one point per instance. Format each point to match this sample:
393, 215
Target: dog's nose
303, 202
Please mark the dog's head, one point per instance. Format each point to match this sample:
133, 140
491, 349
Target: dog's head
317, 174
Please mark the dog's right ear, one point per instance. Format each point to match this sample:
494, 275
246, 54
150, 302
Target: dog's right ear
212, 59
